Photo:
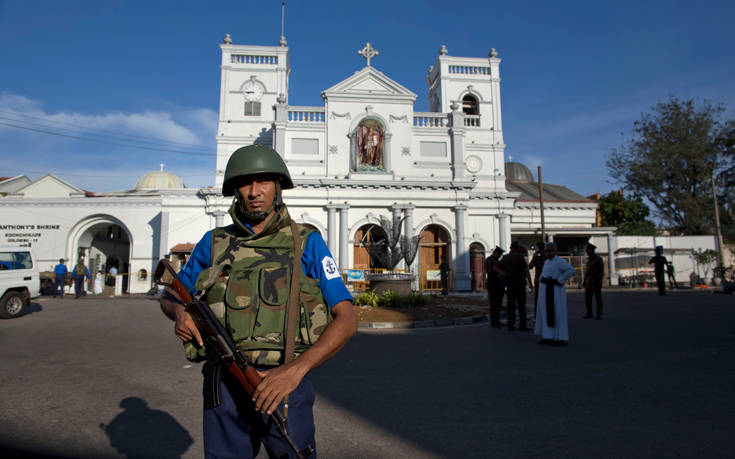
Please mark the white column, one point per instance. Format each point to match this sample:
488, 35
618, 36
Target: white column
503, 231
343, 233
163, 241
219, 218
461, 258
611, 274
332, 228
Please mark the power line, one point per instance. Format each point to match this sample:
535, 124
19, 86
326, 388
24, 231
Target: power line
114, 133
106, 142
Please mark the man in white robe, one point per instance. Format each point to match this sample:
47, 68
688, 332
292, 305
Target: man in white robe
551, 316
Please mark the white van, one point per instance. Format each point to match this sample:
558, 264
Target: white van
19, 281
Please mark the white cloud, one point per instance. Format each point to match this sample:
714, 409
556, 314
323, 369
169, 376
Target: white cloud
195, 127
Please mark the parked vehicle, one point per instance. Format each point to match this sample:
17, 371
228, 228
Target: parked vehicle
19, 280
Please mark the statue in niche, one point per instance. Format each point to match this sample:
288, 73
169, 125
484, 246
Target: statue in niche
370, 136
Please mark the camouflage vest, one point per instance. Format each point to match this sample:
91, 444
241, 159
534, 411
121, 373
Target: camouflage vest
79, 271
248, 284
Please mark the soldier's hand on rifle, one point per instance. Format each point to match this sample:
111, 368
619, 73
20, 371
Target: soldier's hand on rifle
275, 386
173, 307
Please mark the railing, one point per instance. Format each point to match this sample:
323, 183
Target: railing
306, 115
430, 120
469, 70
250, 59
472, 120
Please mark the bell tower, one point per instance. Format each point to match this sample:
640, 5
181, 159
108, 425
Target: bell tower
252, 80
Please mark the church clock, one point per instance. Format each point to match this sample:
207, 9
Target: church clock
253, 91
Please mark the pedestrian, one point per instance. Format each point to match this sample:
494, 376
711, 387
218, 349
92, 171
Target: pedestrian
444, 273
659, 263
98, 283
537, 264
514, 265
247, 269
593, 274
551, 308
78, 275
494, 290
671, 273
60, 272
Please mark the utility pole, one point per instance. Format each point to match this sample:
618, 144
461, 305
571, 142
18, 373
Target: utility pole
720, 244
541, 204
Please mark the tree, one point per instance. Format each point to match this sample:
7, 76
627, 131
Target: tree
673, 152
628, 214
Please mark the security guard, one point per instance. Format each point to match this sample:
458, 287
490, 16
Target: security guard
593, 274
245, 271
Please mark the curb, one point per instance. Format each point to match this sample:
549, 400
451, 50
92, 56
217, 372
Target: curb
423, 323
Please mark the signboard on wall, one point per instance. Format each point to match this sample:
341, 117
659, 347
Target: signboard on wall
25, 235
356, 275
433, 275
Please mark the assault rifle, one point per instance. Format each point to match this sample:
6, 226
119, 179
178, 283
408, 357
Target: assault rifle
219, 341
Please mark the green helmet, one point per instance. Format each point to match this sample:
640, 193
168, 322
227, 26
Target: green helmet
252, 160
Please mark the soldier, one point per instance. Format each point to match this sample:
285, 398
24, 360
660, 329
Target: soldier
245, 270
659, 263
494, 290
671, 273
537, 264
515, 267
593, 275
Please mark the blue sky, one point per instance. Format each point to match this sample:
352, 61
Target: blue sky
575, 75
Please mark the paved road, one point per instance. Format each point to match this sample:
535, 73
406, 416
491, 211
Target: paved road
106, 378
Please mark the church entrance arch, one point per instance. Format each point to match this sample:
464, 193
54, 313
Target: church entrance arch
102, 242
367, 234
477, 268
433, 244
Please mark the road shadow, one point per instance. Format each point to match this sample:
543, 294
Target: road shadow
32, 309
140, 432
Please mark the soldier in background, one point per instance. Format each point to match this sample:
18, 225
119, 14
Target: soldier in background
671, 273
537, 264
593, 274
515, 267
659, 264
246, 269
495, 291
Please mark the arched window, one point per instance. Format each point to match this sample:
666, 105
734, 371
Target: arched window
469, 105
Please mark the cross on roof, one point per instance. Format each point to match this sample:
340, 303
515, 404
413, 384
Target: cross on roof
368, 52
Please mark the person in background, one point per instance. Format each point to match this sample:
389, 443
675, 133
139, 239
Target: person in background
537, 264
593, 274
514, 265
659, 264
494, 289
551, 309
98, 283
60, 272
444, 273
80, 273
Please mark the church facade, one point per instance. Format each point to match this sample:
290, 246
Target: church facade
362, 155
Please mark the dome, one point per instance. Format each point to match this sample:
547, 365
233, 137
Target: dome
159, 180
517, 172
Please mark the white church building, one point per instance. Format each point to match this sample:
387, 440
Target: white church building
363, 154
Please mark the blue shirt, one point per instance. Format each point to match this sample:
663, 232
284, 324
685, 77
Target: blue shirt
60, 270
316, 261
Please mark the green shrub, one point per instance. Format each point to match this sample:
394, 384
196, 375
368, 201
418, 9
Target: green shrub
390, 299
416, 299
368, 298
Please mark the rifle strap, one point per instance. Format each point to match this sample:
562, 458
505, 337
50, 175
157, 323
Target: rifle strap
293, 309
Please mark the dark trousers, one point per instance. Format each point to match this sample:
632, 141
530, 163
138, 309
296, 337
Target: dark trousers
661, 283
495, 298
595, 292
516, 300
235, 430
59, 286
78, 286
445, 284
